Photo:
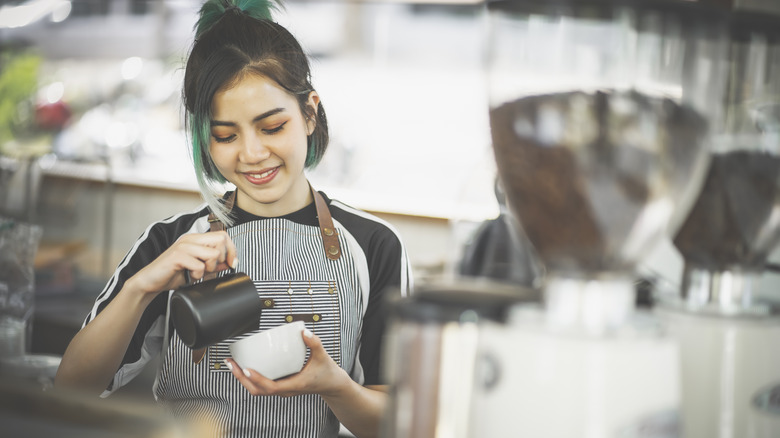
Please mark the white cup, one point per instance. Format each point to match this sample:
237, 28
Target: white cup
274, 353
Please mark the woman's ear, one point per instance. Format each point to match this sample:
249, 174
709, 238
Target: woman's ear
312, 103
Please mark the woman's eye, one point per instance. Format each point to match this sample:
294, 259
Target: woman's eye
274, 130
226, 139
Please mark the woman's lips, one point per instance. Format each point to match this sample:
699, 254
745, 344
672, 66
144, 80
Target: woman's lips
263, 177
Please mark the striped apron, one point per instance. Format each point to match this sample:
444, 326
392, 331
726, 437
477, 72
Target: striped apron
295, 281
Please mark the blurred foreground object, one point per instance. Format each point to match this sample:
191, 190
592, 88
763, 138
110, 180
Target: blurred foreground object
600, 115
431, 355
28, 412
729, 337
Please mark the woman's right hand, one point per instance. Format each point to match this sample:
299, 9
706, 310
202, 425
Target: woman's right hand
196, 254
96, 352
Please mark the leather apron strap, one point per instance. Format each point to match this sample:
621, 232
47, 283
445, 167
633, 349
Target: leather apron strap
330, 240
330, 237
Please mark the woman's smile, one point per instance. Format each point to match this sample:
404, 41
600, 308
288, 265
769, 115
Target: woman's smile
262, 177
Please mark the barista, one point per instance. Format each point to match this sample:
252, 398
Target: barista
255, 121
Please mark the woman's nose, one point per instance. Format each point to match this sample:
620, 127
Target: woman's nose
253, 150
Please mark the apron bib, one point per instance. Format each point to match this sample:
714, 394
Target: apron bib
295, 280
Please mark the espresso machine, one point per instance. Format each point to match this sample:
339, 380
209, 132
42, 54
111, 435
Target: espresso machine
601, 115
729, 336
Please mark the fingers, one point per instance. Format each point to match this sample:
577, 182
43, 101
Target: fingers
256, 383
214, 250
193, 264
197, 259
222, 241
193, 254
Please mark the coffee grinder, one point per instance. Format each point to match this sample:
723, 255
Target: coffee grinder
600, 114
729, 337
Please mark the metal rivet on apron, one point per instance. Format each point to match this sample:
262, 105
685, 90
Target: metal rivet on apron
217, 366
315, 317
289, 318
333, 250
268, 303
327, 231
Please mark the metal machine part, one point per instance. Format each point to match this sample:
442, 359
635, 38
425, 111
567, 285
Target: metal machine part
431, 354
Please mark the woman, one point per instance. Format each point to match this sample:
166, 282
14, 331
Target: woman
255, 121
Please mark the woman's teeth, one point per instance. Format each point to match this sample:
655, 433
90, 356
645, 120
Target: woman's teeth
261, 175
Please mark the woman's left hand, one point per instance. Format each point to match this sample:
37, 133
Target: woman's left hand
321, 375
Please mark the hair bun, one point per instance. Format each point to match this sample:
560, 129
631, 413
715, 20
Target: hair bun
213, 10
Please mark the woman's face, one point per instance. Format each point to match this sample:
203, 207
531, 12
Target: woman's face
258, 143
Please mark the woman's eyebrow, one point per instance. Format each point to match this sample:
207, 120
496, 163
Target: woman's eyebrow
262, 116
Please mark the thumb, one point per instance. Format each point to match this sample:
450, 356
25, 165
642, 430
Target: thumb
311, 340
